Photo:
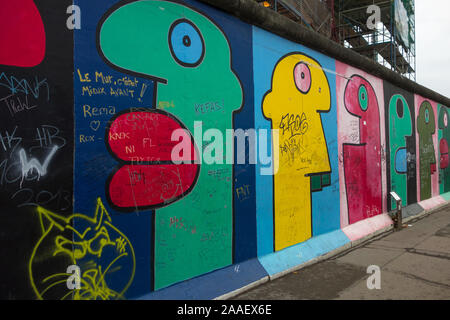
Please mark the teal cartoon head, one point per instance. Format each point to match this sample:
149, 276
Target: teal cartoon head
400, 129
178, 47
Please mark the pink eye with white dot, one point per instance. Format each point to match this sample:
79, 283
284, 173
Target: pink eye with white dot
302, 77
445, 120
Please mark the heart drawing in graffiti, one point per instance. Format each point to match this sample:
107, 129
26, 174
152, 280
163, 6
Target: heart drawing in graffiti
95, 125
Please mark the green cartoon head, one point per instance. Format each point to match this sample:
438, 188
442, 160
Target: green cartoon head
178, 47
189, 58
426, 127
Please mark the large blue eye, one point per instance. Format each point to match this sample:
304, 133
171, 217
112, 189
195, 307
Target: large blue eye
186, 43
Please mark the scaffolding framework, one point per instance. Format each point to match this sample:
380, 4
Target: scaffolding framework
317, 15
345, 21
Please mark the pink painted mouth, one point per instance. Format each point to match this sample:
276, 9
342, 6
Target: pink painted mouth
147, 177
443, 149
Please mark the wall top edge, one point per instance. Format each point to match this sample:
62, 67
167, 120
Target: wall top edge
251, 12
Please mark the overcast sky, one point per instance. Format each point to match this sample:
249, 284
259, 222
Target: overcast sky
433, 44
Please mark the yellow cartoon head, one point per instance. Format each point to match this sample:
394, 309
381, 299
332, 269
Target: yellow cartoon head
300, 92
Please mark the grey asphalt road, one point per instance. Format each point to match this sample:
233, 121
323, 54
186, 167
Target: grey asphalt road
414, 265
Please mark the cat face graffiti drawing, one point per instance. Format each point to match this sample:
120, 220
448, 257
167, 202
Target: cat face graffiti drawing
103, 254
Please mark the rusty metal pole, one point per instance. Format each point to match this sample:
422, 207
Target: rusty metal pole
399, 215
398, 223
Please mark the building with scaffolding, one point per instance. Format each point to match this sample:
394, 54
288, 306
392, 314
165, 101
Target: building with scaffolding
391, 42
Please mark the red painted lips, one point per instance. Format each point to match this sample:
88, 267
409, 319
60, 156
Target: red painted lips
147, 178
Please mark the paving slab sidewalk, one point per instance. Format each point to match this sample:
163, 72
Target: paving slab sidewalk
414, 264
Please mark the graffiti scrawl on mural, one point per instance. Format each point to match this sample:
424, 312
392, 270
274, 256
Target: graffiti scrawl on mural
141, 141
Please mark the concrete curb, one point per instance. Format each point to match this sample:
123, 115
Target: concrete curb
248, 287
341, 250
425, 213
359, 242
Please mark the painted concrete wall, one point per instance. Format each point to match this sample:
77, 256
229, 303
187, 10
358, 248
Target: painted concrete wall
86, 171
